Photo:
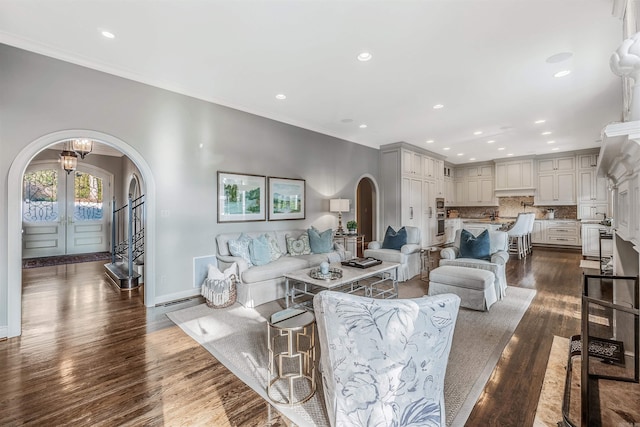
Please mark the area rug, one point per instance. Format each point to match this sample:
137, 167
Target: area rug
549, 410
236, 336
64, 259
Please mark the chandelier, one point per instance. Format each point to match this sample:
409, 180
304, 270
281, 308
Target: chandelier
75, 147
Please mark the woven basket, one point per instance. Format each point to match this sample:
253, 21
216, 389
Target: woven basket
219, 293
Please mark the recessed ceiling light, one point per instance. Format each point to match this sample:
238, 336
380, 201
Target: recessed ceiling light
562, 73
555, 149
364, 56
559, 57
363, 126
491, 141
471, 159
551, 142
478, 132
540, 121
501, 148
438, 106
460, 154
446, 148
108, 34
281, 96
430, 141
546, 133
201, 145
510, 154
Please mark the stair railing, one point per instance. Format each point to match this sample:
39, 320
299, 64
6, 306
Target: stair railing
127, 232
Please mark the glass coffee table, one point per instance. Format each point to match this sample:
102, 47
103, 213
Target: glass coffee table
378, 281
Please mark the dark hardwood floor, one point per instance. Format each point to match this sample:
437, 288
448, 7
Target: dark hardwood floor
92, 355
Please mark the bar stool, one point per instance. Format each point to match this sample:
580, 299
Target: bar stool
517, 235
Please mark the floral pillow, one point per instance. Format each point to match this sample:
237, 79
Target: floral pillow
299, 246
240, 248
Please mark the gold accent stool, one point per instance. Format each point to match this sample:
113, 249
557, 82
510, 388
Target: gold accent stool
291, 342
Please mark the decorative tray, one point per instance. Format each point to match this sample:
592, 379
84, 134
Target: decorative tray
333, 274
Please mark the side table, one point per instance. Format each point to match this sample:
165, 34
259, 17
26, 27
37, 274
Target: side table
427, 258
355, 241
292, 356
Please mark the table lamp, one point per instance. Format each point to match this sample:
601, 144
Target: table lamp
339, 205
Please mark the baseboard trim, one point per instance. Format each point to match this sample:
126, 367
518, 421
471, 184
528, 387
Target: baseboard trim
4, 332
163, 299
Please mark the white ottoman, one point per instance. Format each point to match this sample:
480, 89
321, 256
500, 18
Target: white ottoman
474, 286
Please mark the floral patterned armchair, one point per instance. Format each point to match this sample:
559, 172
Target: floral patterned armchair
383, 362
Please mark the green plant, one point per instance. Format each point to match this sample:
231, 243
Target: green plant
352, 225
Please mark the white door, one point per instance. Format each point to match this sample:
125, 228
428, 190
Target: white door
65, 213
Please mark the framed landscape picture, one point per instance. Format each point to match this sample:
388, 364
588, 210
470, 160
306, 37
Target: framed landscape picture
241, 197
286, 198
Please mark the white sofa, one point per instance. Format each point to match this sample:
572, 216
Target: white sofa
408, 256
260, 284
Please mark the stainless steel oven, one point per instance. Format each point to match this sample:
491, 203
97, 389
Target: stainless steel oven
440, 216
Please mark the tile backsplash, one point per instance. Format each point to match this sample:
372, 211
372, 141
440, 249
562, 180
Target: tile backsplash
511, 206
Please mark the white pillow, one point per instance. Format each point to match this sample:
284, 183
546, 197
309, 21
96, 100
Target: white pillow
215, 274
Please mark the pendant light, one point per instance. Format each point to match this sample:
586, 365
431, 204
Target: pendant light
82, 146
69, 160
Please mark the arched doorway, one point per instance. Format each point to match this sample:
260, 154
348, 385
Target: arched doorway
65, 213
366, 208
14, 217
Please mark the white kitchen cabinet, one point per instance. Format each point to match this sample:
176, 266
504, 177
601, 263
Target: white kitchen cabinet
428, 167
411, 164
593, 210
557, 164
412, 207
539, 232
460, 193
407, 197
556, 232
479, 171
473, 186
556, 182
480, 192
514, 175
429, 225
563, 233
591, 241
587, 161
593, 194
449, 192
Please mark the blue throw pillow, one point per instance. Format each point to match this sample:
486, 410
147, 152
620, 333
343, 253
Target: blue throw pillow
260, 251
394, 239
321, 243
477, 247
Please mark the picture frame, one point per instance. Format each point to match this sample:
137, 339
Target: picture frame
241, 197
287, 198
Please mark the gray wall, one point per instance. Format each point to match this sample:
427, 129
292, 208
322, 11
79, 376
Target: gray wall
40, 95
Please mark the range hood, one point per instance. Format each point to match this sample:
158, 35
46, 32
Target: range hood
516, 192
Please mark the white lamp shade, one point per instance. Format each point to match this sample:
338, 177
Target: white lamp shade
339, 205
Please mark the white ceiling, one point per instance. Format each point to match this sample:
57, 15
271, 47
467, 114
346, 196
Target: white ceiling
485, 60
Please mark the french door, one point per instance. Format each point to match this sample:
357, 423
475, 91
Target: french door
65, 213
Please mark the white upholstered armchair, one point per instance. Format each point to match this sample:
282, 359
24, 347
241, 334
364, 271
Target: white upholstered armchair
408, 256
499, 250
383, 362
